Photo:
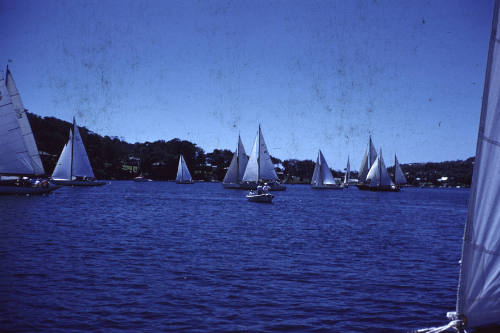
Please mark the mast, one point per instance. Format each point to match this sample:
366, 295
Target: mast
72, 148
380, 169
258, 158
238, 160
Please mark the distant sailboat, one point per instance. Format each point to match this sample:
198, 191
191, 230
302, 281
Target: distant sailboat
399, 176
347, 176
478, 297
19, 157
73, 166
368, 160
378, 178
183, 175
260, 168
322, 176
234, 174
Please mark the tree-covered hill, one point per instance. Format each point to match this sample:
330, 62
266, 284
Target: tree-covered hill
113, 158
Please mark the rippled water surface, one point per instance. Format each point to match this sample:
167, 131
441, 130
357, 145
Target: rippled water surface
165, 257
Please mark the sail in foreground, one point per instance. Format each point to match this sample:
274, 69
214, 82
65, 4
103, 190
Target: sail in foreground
183, 175
378, 178
478, 298
260, 168
479, 287
322, 176
399, 176
234, 174
73, 166
19, 158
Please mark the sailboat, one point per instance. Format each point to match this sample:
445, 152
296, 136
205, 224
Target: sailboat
234, 174
478, 297
399, 176
260, 168
183, 175
19, 157
368, 159
322, 178
73, 166
347, 176
378, 178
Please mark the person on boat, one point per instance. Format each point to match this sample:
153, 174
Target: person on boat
259, 189
266, 188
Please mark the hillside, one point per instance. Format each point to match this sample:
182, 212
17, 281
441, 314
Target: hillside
112, 158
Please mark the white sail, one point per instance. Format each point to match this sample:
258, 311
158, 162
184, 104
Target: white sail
238, 164
372, 152
368, 159
378, 175
478, 298
242, 160
260, 166
183, 174
15, 157
347, 175
24, 125
322, 174
316, 177
73, 161
81, 163
63, 167
363, 170
399, 176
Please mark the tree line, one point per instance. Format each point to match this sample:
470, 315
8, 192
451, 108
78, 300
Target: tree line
114, 158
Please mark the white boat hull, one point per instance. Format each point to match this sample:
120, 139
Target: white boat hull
142, 179
263, 198
78, 182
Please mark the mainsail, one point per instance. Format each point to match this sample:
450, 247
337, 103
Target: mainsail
63, 166
378, 175
347, 175
238, 164
368, 159
399, 176
18, 151
183, 174
259, 167
478, 298
73, 161
322, 174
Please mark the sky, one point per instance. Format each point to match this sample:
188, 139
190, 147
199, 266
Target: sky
315, 74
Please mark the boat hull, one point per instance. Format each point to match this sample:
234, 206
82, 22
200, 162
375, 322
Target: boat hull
142, 180
184, 182
327, 187
366, 187
78, 182
232, 186
262, 198
272, 186
26, 190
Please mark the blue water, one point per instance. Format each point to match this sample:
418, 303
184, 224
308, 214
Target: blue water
135, 257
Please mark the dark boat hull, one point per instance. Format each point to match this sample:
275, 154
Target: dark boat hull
366, 187
78, 182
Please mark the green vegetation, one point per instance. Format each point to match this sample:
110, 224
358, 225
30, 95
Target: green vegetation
113, 158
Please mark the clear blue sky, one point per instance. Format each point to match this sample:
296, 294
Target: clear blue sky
315, 74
